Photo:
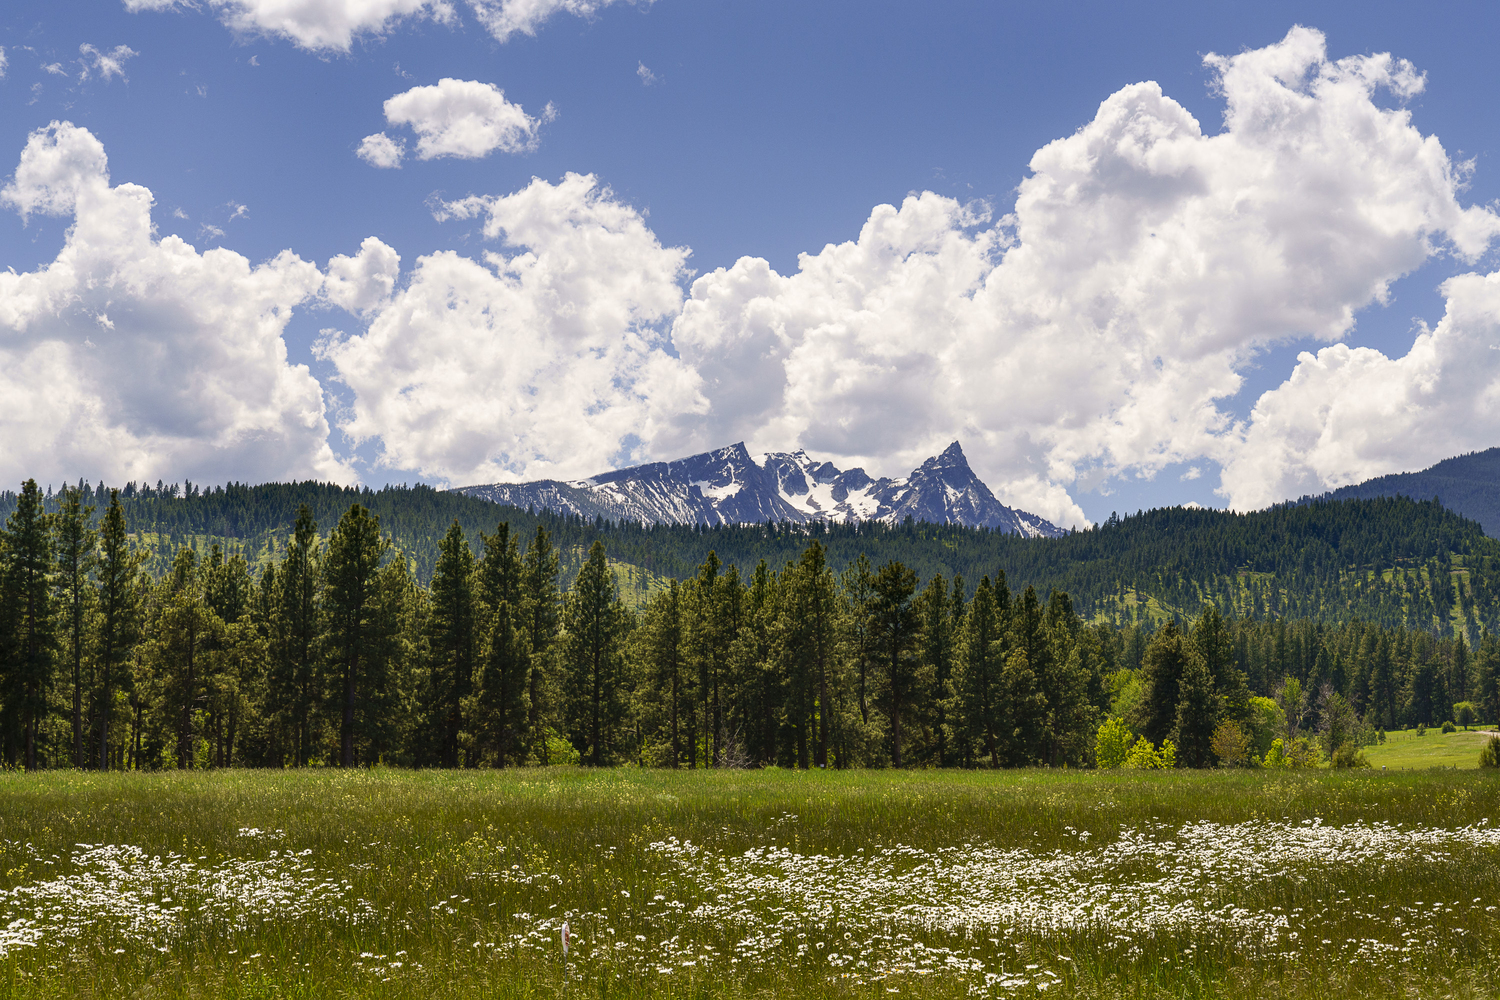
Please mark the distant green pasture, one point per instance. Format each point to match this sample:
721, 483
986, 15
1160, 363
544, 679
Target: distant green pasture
1434, 748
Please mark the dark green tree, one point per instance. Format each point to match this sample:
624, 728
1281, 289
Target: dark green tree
595, 627
984, 651
938, 608
658, 648
118, 619
77, 544
358, 628
1162, 667
1199, 709
28, 638
540, 619
893, 627
296, 627
453, 646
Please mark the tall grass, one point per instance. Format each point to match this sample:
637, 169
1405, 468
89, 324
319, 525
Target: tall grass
454, 884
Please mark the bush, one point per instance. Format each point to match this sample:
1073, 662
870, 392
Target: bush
1465, 714
1144, 757
1421, 729
1275, 757
1302, 753
1349, 755
1449, 727
1267, 721
1112, 743
1490, 755
1167, 754
1230, 744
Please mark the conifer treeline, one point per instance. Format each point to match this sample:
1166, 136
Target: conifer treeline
334, 654
1396, 562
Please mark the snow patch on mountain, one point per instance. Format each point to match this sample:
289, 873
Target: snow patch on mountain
727, 486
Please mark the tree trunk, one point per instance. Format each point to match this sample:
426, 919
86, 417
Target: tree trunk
346, 736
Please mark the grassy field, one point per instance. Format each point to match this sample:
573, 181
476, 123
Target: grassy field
1405, 749
768, 883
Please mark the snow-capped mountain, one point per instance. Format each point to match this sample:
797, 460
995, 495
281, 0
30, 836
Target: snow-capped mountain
726, 486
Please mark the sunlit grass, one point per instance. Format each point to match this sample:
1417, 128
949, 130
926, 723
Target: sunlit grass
437, 884
1434, 748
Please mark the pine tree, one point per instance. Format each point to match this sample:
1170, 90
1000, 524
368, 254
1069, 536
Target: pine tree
118, 619
658, 647
806, 639
984, 652
756, 678
596, 623
187, 634
76, 554
500, 687
893, 627
1487, 672
540, 617
295, 632
453, 647
356, 628
938, 652
227, 585
1161, 672
27, 636
1199, 709
1215, 646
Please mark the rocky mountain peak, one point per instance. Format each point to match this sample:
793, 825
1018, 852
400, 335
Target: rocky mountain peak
727, 486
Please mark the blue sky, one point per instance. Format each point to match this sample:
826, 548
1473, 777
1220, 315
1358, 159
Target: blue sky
766, 131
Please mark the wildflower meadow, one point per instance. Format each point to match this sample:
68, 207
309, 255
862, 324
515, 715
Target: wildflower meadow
381, 883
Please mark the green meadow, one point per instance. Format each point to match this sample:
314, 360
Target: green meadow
428, 884
1404, 749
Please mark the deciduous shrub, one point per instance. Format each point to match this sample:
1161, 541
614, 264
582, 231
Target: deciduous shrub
1143, 756
1350, 755
1490, 755
1230, 745
1112, 743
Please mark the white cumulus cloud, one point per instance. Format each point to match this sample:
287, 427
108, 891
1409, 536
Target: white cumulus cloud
334, 25
1094, 331
543, 362
1348, 414
317, 25
131, 356
462, 118
365, 281
380, 150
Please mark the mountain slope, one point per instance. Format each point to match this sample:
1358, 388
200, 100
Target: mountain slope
727, 486
1466, 484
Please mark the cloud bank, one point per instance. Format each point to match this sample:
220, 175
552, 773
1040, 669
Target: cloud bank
134, 357
335, 25
546, 361
1093, 332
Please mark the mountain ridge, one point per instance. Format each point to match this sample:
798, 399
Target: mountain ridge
727, 486
1466, 484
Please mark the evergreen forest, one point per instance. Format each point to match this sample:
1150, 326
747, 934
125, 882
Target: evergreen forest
182, 629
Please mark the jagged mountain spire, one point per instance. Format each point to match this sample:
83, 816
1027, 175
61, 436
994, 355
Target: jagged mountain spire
727, 486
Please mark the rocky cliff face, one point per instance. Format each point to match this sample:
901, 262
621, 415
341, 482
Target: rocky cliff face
727, 486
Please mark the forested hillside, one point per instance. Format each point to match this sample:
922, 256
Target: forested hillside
1394, 562
331, 652
1466, 484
